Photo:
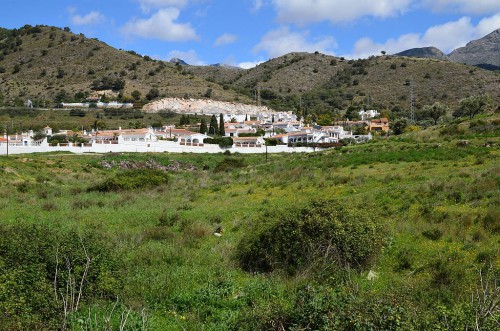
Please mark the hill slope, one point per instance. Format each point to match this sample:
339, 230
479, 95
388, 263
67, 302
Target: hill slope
49, 65
318, 82
40, 62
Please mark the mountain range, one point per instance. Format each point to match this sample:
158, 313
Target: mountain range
483, 52
49, 65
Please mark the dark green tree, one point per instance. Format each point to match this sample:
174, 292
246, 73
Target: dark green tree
399, 125
213, 126
352, 113
222, 131
203, 125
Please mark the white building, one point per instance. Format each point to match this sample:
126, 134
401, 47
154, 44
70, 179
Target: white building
367, 114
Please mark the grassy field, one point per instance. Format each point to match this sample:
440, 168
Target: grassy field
149, 259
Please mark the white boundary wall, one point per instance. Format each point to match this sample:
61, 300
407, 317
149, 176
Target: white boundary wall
152, 147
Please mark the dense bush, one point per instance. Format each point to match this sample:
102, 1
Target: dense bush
132, 179
221, 141
325, 232
42, 268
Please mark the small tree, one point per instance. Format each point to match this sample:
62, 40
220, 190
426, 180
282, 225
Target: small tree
136, 95
203, 126
182, 121
222, 131
399, 125
472, 105
435, 111
16, 68
208, 93
152, 94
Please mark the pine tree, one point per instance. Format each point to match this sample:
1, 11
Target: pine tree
203, 125
222, 131
213, 126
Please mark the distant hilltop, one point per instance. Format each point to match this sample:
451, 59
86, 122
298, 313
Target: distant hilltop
425, 52
483, 52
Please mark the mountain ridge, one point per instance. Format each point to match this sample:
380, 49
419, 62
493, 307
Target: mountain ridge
49, 65
483, 52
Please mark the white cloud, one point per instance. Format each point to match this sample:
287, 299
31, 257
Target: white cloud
148, 5
161, 26
488, 25
190, 57
225, 39
310, 11
463, 6
446, 37
282, 41
92, 18
250, 64
257, 4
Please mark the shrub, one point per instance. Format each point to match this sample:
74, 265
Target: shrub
39, 261
325, 233
132, 179
434, 234
167, 218
228, 164
223, 142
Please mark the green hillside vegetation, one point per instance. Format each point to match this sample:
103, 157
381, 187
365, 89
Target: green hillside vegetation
49, 65
318, 83
397, 234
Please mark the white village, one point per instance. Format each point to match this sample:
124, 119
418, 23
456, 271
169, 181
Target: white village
250, 129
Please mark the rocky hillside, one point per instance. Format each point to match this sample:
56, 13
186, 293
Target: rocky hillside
484, 52
205, 107
425, 52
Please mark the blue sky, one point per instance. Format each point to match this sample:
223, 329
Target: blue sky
246, 32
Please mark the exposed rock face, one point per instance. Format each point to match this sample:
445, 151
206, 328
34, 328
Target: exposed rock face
425, 52
207, 107
484, 52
